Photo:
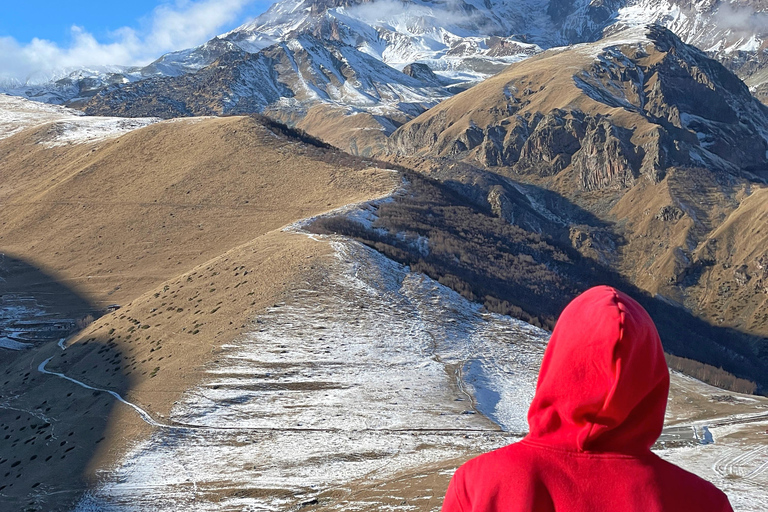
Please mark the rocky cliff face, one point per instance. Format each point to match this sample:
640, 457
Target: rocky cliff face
629, 107
605, 158
663, 146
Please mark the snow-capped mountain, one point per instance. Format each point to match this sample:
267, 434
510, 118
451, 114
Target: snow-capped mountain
75, 87
289, 79
399, 32
713, 26
458, 41
390, 59
733, 32
462, 41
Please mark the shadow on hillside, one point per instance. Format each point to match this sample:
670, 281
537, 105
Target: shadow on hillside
52, 430
536, 206
525, 272
29, 283
686, 335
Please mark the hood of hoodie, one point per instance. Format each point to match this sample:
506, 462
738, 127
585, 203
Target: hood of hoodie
603, 382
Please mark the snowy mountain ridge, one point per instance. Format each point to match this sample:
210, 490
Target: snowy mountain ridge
391, 58
382, 27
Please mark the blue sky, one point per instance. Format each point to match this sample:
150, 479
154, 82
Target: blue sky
52, 20
40, 38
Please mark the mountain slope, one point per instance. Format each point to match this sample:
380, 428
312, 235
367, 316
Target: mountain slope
159, 216
659, 143
75, 87
466, 40
630, 105
171, 166
286, 80
269, 369
334, 68
303, 70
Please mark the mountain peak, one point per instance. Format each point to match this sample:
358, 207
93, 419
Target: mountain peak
628, 106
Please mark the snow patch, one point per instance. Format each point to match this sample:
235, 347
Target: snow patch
10, 344
94, 129
67, 126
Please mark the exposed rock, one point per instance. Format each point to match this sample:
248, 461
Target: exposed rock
580, 22
506, 47
295, 75
625, 111
421, 72
741, 275
762, 265
554, 140
593, 243
501, 206
469, 139
682, 266
670, 214
605, 158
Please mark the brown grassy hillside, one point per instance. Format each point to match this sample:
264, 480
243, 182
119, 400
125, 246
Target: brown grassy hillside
118, 218
358, 133
179, 223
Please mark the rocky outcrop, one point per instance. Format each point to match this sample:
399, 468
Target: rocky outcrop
501, 206
579, 22
552, 143
214, 90
741, 275
421, 72
606, 158
669, 214
503, 143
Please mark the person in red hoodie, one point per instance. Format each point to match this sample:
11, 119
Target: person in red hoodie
598, 408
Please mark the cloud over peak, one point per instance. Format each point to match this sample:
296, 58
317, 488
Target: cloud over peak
183, 24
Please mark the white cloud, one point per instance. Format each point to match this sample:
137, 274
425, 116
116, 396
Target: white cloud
170, 27
741, 19
415, 17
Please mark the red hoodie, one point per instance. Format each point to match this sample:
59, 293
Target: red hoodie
599, 406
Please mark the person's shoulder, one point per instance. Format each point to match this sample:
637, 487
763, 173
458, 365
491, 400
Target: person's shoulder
495, 462
685, 483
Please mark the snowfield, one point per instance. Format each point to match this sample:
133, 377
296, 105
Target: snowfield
67, 126
370, 372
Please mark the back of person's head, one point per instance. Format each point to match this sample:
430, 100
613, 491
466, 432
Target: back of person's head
604, 382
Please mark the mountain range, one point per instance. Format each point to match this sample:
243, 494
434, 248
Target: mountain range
184, 327
352, 72
461, 41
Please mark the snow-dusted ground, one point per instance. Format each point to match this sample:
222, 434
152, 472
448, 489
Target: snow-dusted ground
358, 376
68, 126
367, 372
737, 466
17, 113
732, 447
14, 308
